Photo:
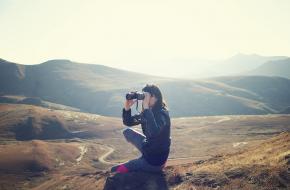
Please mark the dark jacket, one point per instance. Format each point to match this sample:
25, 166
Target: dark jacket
156, 127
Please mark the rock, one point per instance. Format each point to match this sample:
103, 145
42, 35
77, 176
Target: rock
199, 161
136, 180
188, 174
175, 179
235, 173
253, 180
285, 176
277, 182
207, 179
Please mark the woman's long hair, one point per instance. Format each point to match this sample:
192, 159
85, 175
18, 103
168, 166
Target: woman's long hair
153, 89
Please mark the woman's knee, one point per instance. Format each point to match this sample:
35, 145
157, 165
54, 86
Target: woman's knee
126, 133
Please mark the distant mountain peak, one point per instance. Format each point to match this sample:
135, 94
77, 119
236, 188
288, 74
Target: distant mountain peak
2, 60
273, 68
246, 56
58, 61
5, 61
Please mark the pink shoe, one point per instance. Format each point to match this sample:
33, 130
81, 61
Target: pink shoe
122, 169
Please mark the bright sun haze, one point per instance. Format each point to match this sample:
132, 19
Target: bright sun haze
142, 36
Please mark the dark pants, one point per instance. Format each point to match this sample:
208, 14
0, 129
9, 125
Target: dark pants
138, 164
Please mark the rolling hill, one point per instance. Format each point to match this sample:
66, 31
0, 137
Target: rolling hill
100, 89
34, 101
28, 122
273, 68
91, 88
273, 91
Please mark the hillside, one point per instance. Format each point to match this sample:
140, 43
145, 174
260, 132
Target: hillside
10, 99
268, 89
36, 156
273, 68
66, 149
101, 90
262, 166
28, 122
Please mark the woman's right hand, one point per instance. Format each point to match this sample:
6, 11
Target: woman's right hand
129, 103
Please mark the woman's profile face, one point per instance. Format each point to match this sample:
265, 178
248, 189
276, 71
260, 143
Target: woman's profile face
152, 101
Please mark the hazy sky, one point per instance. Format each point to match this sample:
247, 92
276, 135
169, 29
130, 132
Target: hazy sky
141, 34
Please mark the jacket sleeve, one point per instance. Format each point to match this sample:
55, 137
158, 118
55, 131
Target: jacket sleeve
129, 120
154, 127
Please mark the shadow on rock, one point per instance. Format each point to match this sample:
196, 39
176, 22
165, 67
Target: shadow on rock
137, 180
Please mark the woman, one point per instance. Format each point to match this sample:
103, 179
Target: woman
154, 145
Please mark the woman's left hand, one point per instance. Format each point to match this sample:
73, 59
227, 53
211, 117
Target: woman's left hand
146, 100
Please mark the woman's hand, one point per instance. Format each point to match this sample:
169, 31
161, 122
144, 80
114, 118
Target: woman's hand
146, 100
129, 103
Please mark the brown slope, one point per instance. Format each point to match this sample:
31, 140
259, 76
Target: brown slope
36, 156
26, 122
262, 166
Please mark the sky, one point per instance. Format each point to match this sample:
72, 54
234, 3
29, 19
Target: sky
149, 36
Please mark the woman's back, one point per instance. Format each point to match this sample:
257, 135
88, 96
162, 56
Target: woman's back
156, 146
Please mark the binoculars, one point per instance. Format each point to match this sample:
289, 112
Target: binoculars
135, 95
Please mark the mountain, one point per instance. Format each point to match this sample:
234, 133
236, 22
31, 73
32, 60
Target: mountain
211, 97
11, 76
244, 62
100, 89
235, 65
89, 87
273, 68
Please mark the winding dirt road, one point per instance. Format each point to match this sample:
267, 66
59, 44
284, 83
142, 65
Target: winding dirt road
170, 162
102, 158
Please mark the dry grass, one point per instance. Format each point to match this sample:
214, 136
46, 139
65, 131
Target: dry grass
260, 166
270, 153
